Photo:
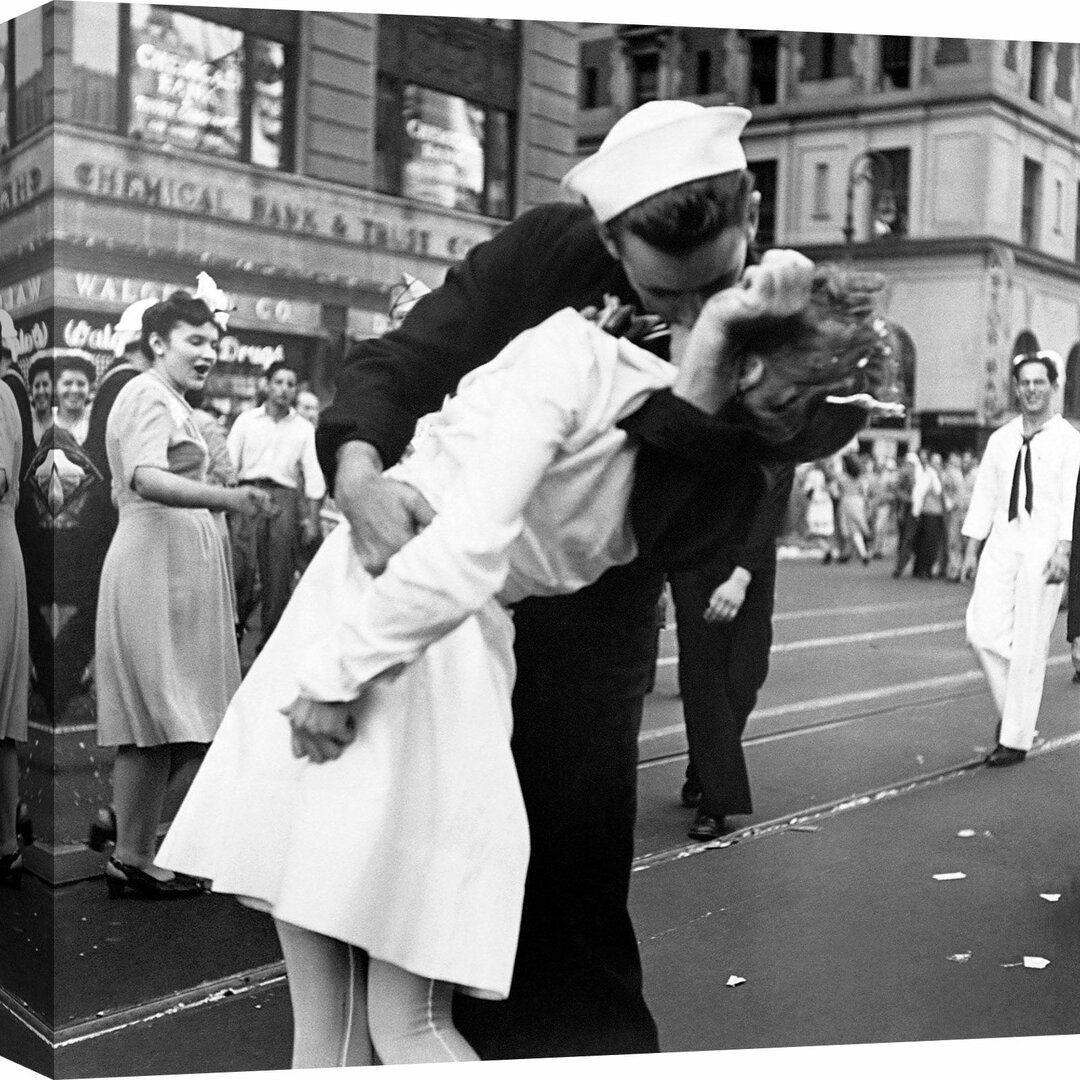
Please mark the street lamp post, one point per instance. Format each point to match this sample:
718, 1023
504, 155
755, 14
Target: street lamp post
864, 166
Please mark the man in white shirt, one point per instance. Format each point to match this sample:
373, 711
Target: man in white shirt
1022, 506
273, 446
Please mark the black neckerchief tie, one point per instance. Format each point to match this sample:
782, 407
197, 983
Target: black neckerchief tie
1014, 496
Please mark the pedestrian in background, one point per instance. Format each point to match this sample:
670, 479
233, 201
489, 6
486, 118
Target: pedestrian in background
14, 637
956, 507
928, 509
166, 663
31, 527
40, 378
820, 510
1023, 508
723, 623
907, 521
273, 447
74, 376
881, 502
854, 529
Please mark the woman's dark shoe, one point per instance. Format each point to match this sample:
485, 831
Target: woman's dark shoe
24, 827
11, 868
102, 829
1004, 755
120, 876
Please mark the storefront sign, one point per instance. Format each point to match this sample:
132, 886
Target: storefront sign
280, 206
20, 189
21, 294
263, 312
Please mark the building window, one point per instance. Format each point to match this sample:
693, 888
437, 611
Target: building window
441, 149
1031, 203
590, 85
764, 68
1059, 205
646, 77
952, 51
1011, 55
202, 86
895, 63
765, 182
1066, 61
703, 82
95, 65
446, 112
1039, 53
826, 56
820, 211
890, 193
595, 74
29, 74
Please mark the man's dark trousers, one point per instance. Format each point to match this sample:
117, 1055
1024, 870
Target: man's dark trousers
268, 546
577, 979
722, 666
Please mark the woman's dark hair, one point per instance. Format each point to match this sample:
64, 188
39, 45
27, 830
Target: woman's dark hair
851, 466
838, 346
689, 215
180, 307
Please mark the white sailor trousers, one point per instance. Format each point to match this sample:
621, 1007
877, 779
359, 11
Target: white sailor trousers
1009, 621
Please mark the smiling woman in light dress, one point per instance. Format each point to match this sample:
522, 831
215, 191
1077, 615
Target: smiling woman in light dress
166, 663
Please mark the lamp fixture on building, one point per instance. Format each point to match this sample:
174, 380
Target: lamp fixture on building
872, 166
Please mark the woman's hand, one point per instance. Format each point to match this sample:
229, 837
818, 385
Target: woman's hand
253, 501
321, 730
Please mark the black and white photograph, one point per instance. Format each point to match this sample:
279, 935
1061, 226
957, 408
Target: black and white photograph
536, 541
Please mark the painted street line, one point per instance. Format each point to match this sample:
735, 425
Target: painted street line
840, 700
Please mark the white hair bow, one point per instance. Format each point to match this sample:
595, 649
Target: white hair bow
217, 300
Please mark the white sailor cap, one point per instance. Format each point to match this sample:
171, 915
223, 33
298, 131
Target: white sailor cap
129, 326
658, 146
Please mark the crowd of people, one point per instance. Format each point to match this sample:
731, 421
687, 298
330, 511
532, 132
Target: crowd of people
857, 504
434, 801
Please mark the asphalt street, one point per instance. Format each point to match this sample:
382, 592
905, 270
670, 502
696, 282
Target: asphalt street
834, 916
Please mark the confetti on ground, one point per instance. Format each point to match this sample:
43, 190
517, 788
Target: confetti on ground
805, 828
920, 759
735, 980
1051, 896
966, 832
955, 876
1037, 962
960, 957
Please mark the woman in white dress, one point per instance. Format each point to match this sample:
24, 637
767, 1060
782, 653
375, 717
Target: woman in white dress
381, 824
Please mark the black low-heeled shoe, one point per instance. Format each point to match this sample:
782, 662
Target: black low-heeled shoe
11, 868
121, 876
24, 826
102, 829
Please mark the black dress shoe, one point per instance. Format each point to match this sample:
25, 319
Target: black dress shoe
1004, 755
708, 826
11, 868
690, 795
24, 827
102, 829
121, 876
